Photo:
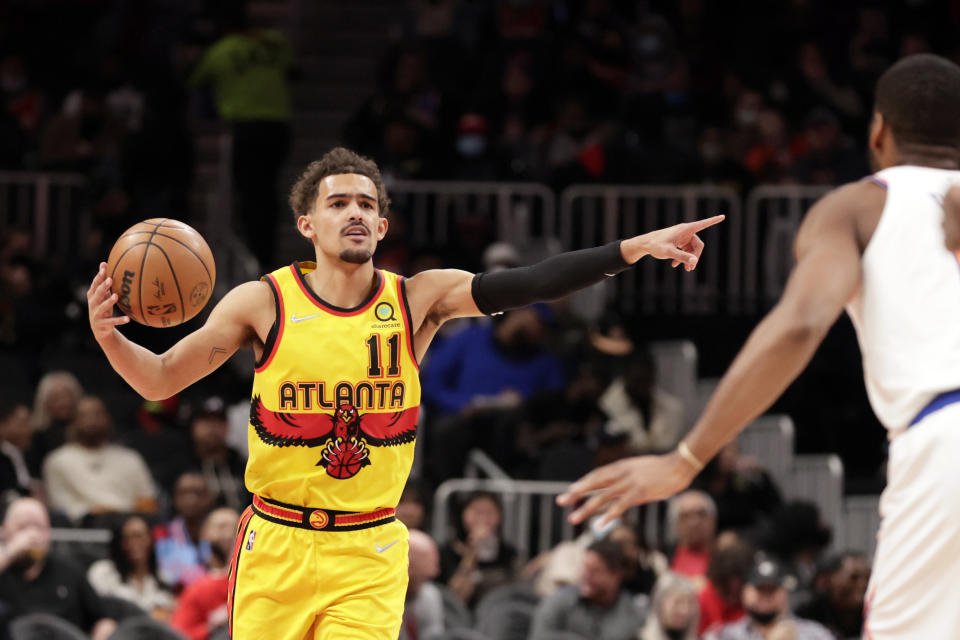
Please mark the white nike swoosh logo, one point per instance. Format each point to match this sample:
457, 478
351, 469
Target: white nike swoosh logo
382, 549
294, 317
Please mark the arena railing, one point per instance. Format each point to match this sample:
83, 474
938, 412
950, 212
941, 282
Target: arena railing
528, 533
742, 276
437, 210
532, 521
772, 216
50, 205
590, 215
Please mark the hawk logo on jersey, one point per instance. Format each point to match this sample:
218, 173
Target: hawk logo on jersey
344, 435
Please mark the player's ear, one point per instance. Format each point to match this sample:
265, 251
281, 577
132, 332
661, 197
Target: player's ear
878, 128
382, 224
305, 227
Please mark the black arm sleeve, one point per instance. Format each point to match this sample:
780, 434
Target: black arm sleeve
550, 279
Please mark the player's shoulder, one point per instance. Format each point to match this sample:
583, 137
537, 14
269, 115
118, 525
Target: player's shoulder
433, 281
246, 303
864, 194
853, 208
252, 293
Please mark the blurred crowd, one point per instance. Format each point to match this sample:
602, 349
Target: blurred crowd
655, 91
539, 398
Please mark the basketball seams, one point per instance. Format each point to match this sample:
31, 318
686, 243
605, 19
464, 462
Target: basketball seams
143, 262
173, 272
122, 255
178, 241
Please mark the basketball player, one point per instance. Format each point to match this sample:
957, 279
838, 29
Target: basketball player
876, 247
336, 395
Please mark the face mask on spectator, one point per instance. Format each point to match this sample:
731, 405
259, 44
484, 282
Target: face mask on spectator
471, 146
762, 617
675, 634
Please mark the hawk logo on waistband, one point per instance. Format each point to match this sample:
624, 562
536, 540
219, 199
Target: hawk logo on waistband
344, 435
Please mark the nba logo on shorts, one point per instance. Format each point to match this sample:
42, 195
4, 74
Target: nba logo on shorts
250, 539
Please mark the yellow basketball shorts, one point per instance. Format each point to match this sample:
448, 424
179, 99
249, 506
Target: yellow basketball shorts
314, 574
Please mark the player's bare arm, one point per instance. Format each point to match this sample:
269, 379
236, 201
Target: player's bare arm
242, 317
827, 274
951, 218
440, 295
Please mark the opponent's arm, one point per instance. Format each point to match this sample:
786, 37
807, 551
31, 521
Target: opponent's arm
951, 218
450, 293
156, 377
826, 276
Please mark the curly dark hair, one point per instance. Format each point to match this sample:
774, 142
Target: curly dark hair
337, 161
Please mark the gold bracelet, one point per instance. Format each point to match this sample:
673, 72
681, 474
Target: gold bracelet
687, 455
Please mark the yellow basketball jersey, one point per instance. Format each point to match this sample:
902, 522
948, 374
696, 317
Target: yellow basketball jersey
336, 395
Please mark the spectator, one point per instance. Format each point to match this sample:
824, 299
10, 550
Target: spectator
34, 580
831, 156
83, 135
692, 516
202, 608
180, 555
54, 407
89, 476
650, 417
15, 435
644, 566
21, 107
816, 87
413, 508
249, 70
474, 157
478, 560
840, 606
797, 537
221, 466
476, 380
766, 603
675, 612
423, 612
158, 436
599, 607
742, 489
130, 573
720, 599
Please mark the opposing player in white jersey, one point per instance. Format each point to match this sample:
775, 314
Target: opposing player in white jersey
877, 247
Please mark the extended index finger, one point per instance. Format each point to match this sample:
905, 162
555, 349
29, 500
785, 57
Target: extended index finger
699, 225
99, 278
596, 479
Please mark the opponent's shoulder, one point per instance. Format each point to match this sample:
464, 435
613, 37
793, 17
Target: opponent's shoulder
852, 209
849, 198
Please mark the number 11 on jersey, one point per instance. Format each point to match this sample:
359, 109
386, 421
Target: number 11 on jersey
375, 370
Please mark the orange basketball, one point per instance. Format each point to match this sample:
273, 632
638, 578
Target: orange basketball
163, 272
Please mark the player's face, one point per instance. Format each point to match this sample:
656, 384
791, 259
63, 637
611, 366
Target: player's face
345, 221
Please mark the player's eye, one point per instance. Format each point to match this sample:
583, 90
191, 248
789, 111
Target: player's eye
367, 205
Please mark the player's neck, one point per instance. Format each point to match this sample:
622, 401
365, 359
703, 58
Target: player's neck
341, 283
937, 158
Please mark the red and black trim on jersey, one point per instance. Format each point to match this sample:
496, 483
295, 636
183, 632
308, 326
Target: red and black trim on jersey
276, 331
301, 280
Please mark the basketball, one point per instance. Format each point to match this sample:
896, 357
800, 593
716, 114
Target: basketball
163, 272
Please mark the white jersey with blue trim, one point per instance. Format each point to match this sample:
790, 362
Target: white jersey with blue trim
907, 310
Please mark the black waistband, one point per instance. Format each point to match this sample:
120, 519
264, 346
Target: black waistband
320, 519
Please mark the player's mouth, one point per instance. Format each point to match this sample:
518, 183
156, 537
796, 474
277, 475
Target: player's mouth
356, 231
